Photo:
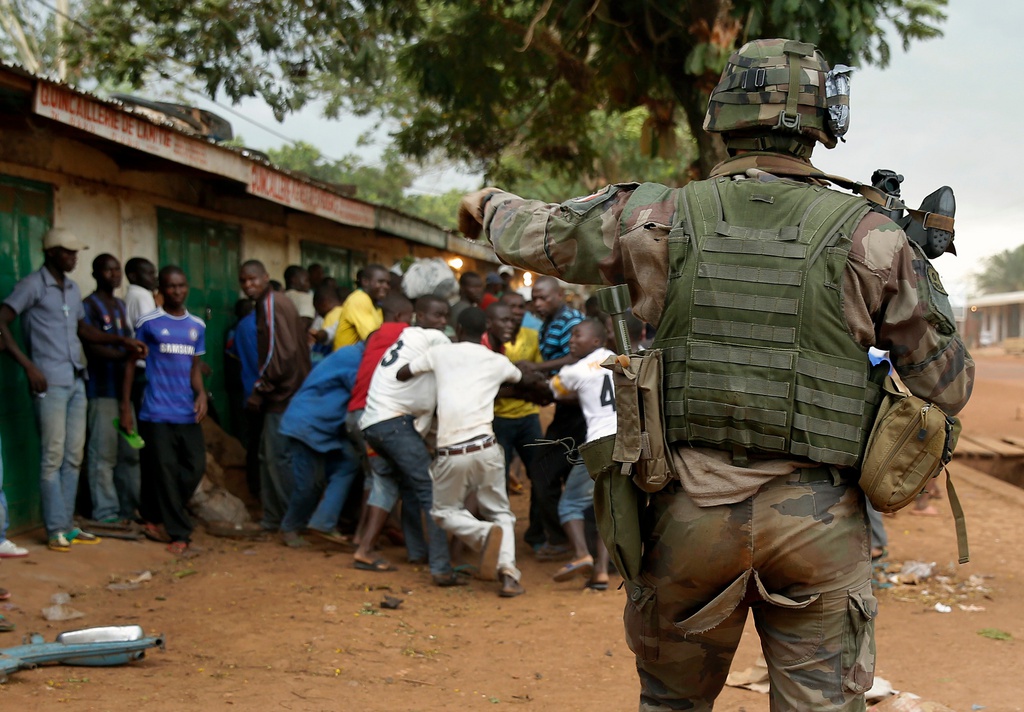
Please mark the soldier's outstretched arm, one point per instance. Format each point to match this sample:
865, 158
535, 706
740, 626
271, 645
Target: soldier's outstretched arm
577, 240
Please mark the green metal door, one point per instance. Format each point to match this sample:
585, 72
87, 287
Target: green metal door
208, 252
337, 262
26, 213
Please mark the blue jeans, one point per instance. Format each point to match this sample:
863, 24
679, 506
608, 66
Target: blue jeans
306, 508
386, 486
113, 465
60, 415
578, 495
275, 472
405, 453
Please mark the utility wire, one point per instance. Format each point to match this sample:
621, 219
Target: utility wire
185, 87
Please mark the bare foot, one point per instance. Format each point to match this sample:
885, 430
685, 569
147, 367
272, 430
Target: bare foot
928, 511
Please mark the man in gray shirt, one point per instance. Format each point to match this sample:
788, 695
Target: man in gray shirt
52, 325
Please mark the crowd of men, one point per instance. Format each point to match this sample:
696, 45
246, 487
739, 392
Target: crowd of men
360, 408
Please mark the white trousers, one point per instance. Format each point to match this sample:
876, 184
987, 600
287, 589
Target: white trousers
482, 472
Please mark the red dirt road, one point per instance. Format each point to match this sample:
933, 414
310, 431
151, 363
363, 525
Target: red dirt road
258, 626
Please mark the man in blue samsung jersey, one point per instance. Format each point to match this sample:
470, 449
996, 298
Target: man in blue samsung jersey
173, 405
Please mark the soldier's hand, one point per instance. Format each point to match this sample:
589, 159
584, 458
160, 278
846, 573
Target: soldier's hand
471, 212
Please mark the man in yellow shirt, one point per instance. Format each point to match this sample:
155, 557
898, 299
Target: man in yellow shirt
517, 421
361, 314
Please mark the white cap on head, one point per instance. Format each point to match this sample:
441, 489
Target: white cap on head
59, 237
506, 269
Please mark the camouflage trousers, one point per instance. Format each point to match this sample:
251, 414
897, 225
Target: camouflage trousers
796, 554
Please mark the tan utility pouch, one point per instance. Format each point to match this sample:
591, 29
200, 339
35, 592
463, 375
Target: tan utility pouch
910, 443
640, 437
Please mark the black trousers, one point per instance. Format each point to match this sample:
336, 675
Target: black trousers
550, 469
177, 459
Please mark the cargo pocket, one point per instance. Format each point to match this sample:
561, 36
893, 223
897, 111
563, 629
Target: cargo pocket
859, 640
641, 621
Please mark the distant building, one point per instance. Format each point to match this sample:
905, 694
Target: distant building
992, 319
141, 179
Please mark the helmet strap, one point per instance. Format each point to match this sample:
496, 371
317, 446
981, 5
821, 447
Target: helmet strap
792, 145
790, 118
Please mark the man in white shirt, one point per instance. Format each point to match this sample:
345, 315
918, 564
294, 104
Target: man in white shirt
138, 300
592, 385
469, 460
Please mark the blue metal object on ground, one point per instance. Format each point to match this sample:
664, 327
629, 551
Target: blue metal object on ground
104, 646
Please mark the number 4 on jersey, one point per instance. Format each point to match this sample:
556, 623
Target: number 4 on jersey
607, 392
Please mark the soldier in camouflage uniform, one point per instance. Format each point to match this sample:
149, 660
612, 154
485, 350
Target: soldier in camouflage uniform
767, 289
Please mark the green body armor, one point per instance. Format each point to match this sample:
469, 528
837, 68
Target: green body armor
758, 358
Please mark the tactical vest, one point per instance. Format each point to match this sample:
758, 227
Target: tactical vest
758, 358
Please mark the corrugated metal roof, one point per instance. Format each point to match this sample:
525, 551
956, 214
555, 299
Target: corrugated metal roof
383, 223
996, 300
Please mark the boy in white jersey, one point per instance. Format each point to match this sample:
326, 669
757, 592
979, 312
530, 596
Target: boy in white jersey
468, 458
592, 385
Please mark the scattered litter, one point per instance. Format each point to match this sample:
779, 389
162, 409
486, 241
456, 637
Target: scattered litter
122, 586
908, 702
943, 608
391, 602
60, 610
994, 634
184, 572
975, 708
144, 576
971, 608
754, 678
914, 572
880, 689
330, 609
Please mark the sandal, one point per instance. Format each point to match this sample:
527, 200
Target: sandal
582, 567
178, 548
375, 565
5, 625
334, 537
155, 532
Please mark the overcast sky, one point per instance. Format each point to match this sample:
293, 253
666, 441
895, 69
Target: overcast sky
948, 112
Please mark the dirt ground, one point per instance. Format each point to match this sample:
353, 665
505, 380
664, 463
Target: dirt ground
257, 626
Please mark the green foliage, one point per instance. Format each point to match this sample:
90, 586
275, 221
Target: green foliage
1003, 272
994, 634
495, 86
386, 183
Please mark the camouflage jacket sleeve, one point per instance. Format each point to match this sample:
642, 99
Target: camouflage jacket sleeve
893, 300
617, 235
892, 296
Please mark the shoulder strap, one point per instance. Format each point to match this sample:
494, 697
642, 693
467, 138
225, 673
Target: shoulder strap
958, 519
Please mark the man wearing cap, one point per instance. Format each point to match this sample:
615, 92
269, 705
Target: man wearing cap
53, 326
492, 290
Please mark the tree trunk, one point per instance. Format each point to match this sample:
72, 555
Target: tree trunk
710, 146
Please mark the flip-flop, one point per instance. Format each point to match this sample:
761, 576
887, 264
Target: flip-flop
5, 625
583, 567
377, 565
4, 594
334, 537
597, 585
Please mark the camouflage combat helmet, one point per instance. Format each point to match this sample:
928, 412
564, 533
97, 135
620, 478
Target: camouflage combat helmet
755, 106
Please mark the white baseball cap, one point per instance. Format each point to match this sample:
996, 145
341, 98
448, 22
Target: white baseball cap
506, 269
60, 237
